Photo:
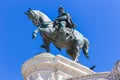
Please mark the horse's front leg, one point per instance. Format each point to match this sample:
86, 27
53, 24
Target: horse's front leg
35, 33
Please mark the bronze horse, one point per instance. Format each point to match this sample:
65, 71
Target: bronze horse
70, 39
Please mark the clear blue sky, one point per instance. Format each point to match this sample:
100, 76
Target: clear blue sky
98, 20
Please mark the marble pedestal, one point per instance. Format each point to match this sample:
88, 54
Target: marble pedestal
46, 66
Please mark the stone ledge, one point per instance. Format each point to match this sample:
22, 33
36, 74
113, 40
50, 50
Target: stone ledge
96, 76
48, 62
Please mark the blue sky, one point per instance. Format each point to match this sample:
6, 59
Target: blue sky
98, 20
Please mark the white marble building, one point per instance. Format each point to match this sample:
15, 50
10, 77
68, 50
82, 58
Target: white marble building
46, 66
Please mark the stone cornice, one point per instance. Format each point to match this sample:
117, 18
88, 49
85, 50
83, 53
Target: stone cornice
48, 62
96, 76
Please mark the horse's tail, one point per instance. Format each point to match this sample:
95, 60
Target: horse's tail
86, 48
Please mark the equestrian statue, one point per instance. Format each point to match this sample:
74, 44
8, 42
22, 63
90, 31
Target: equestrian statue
60, 32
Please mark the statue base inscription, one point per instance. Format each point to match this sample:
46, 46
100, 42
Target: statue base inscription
46, 66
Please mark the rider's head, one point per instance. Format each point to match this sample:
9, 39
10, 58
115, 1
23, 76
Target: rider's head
61, 10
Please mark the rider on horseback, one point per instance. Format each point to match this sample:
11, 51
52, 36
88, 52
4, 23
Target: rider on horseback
63, 20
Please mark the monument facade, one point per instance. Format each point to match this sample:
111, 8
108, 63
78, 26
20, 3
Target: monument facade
46, 66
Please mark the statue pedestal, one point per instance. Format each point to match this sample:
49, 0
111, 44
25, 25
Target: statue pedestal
46, 66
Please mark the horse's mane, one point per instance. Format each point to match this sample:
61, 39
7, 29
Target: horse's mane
42, 15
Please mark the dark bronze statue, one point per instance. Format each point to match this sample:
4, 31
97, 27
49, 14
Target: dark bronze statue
70, 39
64, 19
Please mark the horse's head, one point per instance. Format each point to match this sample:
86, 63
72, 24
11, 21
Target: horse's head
38, 18
33, 17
